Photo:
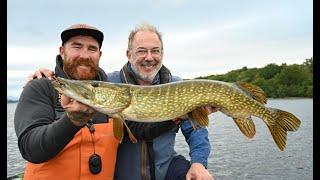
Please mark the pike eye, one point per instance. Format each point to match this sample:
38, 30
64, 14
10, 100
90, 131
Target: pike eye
95, 85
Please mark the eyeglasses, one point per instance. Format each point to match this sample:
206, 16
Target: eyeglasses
144, 52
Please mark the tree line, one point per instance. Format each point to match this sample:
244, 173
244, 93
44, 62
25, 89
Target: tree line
277, 81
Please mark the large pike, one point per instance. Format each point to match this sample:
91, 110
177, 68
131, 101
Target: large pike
167, 101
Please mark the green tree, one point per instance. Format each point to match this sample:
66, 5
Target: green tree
277, 81
269, 71
291, 75
249, 75
309, 64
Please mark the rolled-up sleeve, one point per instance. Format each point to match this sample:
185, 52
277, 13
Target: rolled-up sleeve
198, 142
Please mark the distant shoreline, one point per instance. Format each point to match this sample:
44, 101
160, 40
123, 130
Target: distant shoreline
12, 101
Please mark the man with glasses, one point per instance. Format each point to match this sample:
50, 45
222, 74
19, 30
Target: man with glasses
154, 157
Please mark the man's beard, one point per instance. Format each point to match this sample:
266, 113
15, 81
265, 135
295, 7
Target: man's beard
70, 68
149, 77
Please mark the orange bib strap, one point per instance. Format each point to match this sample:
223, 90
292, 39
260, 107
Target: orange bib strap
73, 161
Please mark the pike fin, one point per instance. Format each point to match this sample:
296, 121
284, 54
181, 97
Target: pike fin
279, 136
200, 116
131, 136
254, 91
120, 119
118, 129
246, 126
283, 122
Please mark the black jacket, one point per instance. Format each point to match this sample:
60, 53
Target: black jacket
42, 127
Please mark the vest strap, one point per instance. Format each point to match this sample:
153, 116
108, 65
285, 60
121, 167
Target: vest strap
143, 160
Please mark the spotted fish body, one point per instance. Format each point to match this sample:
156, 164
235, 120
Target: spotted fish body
167, 101
163, 102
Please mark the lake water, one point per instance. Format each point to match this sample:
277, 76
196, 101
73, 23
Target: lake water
233, 156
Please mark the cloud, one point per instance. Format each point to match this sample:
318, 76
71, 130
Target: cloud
30, 57
179, 2
167, 3
206, 49
220, 48
22, 61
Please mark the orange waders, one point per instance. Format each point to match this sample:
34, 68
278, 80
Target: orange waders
73, 161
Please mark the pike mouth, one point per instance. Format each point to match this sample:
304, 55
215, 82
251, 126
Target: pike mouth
58, 84
72, 88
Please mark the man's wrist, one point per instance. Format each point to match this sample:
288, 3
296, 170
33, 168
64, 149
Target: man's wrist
200, 163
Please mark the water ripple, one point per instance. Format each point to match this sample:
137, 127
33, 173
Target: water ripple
233, 156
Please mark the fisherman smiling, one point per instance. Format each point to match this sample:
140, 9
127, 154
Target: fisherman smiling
154, 155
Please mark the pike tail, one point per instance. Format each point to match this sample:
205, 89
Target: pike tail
283, 122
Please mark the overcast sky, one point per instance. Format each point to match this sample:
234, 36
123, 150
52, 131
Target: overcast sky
200, 37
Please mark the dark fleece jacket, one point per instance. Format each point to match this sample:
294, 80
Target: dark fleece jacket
42, 127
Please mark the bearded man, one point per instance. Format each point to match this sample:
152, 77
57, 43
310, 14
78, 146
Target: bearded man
153, 156
61, 138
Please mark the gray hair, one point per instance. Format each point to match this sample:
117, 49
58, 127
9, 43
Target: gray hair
144, 26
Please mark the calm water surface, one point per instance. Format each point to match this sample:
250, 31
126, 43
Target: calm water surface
233, 156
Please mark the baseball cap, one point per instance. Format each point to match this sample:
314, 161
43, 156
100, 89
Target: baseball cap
82, 29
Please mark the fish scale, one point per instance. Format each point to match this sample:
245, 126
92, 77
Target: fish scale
163, 102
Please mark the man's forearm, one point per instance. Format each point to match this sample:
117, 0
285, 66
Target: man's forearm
39, 136
198, 142
39, 144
